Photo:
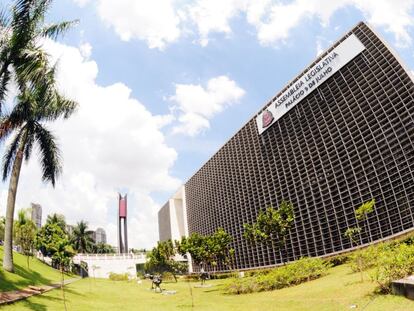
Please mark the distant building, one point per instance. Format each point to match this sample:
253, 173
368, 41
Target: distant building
37, 214
99, 236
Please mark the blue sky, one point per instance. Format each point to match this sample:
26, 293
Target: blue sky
163, 84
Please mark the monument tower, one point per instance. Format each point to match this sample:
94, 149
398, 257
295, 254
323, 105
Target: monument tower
122, 225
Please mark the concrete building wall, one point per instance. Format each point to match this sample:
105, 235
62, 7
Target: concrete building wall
164, 222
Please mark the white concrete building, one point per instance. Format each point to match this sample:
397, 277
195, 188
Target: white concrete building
172, 217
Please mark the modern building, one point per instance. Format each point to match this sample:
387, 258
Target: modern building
339, 134
171, 218
36, 214
100, 236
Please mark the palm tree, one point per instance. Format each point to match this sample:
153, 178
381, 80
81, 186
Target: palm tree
23, 60
57, 219
26, 121
82, 237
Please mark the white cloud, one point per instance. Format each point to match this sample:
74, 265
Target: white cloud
161, 22
319, 48
214, 16
85, 50
196, 105
395, 16
81, 3
112, 142
155, 21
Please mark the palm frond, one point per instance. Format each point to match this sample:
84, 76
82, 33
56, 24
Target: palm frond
10, 154
62, 107
22, 24
29, 141
55, 30
32, 66
49, 153
21, 112
4, 82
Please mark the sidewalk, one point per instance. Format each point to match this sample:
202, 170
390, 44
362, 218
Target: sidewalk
16, 295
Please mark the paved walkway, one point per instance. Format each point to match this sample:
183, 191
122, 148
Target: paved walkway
16, 295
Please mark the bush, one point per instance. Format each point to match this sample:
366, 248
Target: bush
118, 276
221, 276
242, 286
167, 276
393, 263
337, 260
302, 270
364, 259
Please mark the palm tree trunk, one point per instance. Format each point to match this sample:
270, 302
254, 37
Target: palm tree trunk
11, 200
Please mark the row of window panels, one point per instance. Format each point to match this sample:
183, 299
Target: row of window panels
347, 203
335, 195
380, 174
341, 222
395, 216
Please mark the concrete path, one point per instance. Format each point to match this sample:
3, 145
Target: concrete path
16, 295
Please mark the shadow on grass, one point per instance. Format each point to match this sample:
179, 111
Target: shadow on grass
34, 306
30, 278
72, 291
39, 306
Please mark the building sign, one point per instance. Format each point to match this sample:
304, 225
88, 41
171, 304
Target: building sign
309, 81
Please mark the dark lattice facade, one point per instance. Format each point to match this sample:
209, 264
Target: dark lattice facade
350, 140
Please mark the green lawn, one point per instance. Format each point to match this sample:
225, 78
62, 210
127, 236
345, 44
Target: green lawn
38, 274
337, 291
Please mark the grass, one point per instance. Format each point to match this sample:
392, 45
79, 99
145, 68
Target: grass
336, 291
38, 274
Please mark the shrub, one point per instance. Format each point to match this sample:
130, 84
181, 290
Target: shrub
167, 276
220, 276
302, 270
364, 259
337, 260
118, 276
242, 286
393, 263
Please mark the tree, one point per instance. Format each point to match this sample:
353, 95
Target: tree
62, 255
81, 239
102, 248
219, 248
271, 225
361, 215
354, 234
57, 219
25, 234
46, 237
23, 60
196, 246
161, 259
209, 250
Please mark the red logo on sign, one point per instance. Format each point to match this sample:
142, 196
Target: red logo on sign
267, 118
